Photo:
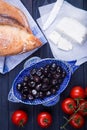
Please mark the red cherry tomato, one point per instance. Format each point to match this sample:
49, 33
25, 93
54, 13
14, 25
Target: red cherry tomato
68, 105
83, 108
77, 92
44, 119
19, 118
86, 91
77, 121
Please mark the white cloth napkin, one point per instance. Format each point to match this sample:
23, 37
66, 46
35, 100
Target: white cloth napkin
66, 11
9, 62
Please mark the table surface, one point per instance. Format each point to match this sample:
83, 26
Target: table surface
78, 78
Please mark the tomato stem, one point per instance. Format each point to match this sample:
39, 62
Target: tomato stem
68, 120
78, 100
21, 123
65, 118
46, 120
72, 107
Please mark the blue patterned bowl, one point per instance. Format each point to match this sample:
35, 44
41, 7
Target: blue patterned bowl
36, 62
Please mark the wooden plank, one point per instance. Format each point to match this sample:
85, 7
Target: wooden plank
76, 80
85, 4
6, 107
16, 106
28, 5
12, 75
77, 3
3, 101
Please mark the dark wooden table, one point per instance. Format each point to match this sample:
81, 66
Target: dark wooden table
6, 107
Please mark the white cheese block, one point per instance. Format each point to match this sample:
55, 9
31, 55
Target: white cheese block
73, 29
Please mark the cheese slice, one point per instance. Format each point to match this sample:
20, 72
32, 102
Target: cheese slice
59, 41
64, 44
54, 37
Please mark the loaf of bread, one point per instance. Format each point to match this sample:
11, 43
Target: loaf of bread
12, 12
15, 34
7, 20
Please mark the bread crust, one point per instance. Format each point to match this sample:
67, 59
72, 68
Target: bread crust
17, 41
15, 13
7, 20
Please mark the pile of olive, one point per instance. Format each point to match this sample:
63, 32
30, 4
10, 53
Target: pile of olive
41, 82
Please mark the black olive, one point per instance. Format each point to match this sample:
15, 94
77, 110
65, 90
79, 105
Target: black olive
59, 69
25, 87
45, 87
63, 74
47, 66
41, 69
36, 79
57, 87
53, 66
49, 75
46, 69
29, 84
34, 92
30, 97
48, 93
53, 72
30, 77
33, 71
37, 95
32, 84
53, 90
26, 78
24, 84
46, 80
24, 97
19, 87
54, 81
41, 95
45, 72
60, 81
56, 76
41, 77
38, 87
25, 91
39, 73
30, 91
